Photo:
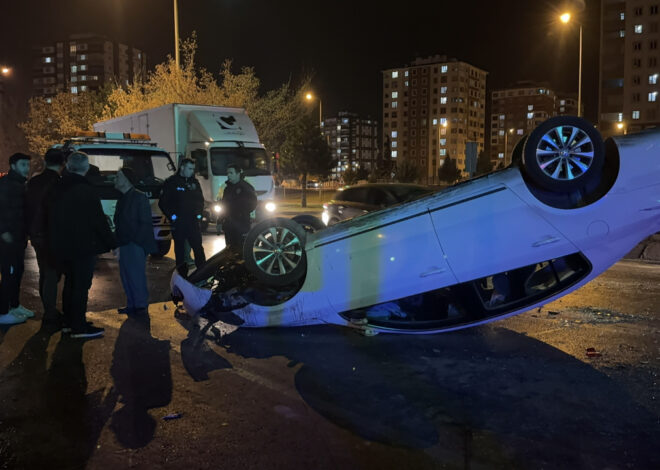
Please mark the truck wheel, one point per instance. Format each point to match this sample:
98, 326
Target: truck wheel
274, 252
563, 154
163, 248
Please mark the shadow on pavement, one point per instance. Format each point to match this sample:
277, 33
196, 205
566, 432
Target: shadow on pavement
484, 394
142, 378
198, 359
50, 407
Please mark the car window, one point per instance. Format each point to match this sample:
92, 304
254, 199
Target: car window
379, 197
408, 193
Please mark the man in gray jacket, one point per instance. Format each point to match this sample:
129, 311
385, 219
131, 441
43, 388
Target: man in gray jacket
135, 237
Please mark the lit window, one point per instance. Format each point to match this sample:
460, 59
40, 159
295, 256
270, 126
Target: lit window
49, 100
405, 83
338, 139
395, 74
83, 57
74, 79
405, 74
395, 94
83, 78
620, 117
338, 151
502, 117
83, 88
72, 48
443, 141
443, 89
561, 102
83, 68
622, 33
653, 79
443, 121
622, 16
74, 69
443, 152
443, 69
530, 115
653, 96
500, 155
394, 134
443, 100
501, 132
638, 29
74, 89
530, 107
635, 114
48, 60
394, 144
435, 122
562, 109
519, 132
394, 104
394, 153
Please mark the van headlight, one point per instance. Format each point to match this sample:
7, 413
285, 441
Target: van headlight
217, 208
270, 206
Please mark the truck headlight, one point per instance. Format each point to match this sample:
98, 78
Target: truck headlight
270, 206
217, 208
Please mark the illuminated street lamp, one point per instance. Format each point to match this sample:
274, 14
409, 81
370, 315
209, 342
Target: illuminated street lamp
310, 97
566, 18
5, 71
176, 33
621, 126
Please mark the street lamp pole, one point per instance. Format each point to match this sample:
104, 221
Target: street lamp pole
176, 34
580, 77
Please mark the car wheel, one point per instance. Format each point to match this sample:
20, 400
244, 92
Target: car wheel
563, 154
517, 154
274, 251
309, 222
163, 247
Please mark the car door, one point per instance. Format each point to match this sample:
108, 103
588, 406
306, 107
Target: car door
353, 203
492, 232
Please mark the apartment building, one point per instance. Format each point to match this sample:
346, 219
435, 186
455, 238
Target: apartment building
629, 66
84, 62
433, 108
353, 142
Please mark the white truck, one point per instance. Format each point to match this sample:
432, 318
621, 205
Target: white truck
212, 136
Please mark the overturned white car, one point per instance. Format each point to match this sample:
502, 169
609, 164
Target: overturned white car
568, 208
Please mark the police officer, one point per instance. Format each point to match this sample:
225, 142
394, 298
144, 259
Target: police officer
238, 201
182, 202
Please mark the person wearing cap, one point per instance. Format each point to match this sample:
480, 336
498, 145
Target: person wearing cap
38, 188
135, 237
78, 231
13, 239
182, 202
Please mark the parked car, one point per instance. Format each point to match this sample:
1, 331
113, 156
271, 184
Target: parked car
313, 184
352, 201
568, 207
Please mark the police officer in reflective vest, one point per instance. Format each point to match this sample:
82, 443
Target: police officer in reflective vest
182, 202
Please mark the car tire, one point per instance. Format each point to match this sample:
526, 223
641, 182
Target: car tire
563, 154
517, 154
274, 251
163, 248
309, 222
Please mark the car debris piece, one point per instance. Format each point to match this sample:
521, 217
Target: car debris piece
172, 416
591, 352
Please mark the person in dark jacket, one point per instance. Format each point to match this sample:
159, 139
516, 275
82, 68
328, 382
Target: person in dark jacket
78, 230
35, 206
13, 239
182, 202
135, 237
238, 201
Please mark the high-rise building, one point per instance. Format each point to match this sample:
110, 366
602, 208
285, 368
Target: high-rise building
629, 65
353, 142
84, 62
433, 108
516, 111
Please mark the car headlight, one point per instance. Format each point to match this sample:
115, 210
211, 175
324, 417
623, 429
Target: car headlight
270, 206
325, 217
217, 208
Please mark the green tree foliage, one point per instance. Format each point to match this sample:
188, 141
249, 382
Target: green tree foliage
448, 171
484, 165
305, 152
350, 176
407, 171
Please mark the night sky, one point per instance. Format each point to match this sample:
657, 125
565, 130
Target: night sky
345, 44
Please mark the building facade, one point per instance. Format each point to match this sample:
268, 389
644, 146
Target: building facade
629, 66
353, 142
84, 62
516, 111
433, 108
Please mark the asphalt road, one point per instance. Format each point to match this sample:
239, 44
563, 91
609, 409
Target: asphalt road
518, 393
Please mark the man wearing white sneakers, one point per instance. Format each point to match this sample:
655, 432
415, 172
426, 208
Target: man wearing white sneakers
13, 239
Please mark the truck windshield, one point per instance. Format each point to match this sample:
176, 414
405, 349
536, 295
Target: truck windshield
150, 166
254, 161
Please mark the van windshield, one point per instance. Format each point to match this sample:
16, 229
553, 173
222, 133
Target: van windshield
254, 161
150, 166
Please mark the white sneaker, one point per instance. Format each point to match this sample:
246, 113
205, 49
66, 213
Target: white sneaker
10, 319
21, 311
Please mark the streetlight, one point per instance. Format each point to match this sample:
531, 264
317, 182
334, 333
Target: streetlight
5, 70
176, 33
506, 144
310, 97
566, 18
622, 127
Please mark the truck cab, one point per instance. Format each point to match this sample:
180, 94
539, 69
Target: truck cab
109, 152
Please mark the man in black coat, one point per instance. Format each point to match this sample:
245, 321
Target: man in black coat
135, 237
182, 202
238, 201
37, 222
13, 239
78, 231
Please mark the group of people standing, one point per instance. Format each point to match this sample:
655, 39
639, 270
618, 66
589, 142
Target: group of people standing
61, 214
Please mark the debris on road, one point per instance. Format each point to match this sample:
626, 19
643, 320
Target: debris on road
172, 416
591, 352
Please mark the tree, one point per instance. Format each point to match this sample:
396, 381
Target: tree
407, 171
484, 165
448, 171
305, 151
350, 176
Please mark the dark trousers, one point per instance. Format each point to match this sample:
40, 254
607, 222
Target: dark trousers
78, 275
182, 231
132, 271
235, 234
12, 256
49, 277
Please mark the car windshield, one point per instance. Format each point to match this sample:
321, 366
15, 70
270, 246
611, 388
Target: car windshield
254, 161
150, 166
